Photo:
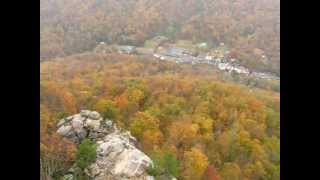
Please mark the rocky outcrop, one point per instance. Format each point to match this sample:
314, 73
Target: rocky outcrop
117, 155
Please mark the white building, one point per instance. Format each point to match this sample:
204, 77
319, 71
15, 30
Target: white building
156, 55
241, 70
208, 57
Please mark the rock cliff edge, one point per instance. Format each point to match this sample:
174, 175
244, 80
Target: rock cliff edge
117, 155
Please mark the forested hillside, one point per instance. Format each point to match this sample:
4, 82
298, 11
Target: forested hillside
249, 28
195, 82
191, 123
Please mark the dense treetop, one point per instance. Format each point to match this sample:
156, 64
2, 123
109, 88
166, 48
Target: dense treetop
184, 116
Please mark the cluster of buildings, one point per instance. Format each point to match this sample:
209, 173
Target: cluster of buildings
181, 55
160, 48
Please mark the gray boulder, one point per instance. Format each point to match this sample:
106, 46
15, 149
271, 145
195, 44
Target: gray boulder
64, 130
94, 115
77, 124
84, 113
93, 124
117, 155
61, 122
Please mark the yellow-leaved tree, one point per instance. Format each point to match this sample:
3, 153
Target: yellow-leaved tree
195, 164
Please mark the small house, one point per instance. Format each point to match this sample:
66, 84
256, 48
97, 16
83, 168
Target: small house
126, 49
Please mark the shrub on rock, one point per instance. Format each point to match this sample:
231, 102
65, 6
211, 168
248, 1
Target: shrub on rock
86, 153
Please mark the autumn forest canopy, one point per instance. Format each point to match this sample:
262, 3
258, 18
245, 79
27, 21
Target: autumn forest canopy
194, 121
73, 26
221, 129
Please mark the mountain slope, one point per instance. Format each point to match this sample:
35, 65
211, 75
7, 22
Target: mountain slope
178, 113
